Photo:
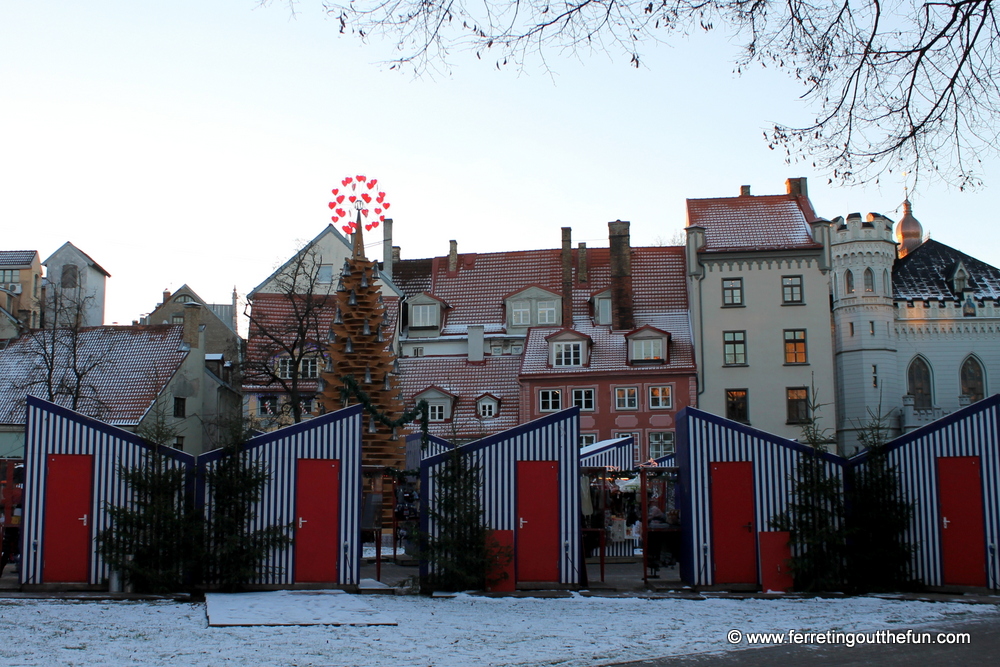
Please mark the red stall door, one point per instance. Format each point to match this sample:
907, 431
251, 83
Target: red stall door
775, 553
537, 528
734, 545
66, 537
963, 539
317, 521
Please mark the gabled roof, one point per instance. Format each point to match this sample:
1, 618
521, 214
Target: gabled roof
647, 327
926, 273
17, 257
135, 364
224, 312
436, 388
72, 247
768, 222
569, 332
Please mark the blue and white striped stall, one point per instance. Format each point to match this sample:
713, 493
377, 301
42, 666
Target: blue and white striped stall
734, 480
72, 473
615, 454
315, 484
530, 495
950, 471
416, 452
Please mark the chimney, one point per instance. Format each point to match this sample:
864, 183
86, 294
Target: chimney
453, 256
567, 276
192, 324
744, 190
797, 186
395, 253
621, 276
166, 295
581, 262
387, 248
695, 241
476, 344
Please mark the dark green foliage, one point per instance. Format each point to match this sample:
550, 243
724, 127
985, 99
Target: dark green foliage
878, 553
463, 555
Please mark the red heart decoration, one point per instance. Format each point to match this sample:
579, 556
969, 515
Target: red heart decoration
377, 211
340, 199
354, 224
375, 223
371, 183
361, 179
332, 204
335, 218
352, 199
368, 228
347, 229
367, 197
365, 211
335, 190
341, 212
382, 218
386, 206
346, 180
381, 196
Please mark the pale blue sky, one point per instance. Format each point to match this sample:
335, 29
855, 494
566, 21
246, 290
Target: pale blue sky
193, 142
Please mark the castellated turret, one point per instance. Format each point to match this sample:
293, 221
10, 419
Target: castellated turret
863, 252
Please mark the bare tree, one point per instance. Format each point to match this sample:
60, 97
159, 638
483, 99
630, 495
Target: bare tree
289, 325
893, 85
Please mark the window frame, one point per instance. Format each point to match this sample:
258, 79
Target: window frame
640, 356
795, 348
549, 400
731, 291
180, 407
520, 313
792, 293
738, 346
309, 368
267, 405
587, 439
485, 402
436, 412
625, 395
655, 403
551, 311
423, 316
868, 280
735, 397
581, 397
797, 406
559, 353
672, 443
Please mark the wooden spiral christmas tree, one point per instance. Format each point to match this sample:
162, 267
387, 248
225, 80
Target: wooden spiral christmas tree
361, 357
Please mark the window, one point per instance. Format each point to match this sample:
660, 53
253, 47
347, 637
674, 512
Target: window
661, 444
435, 412
734, 347
496, 350
851, 327
849, 282
885, 283
423, 315
626, 398
567, 353
177, 319
285, 367
324, 274
797, 404
874, 375
516, 348
732, 292
584, 399
520, 313
795, 346
267, 405
486, 407
417, 351
647, 349
636, 453
183, 298
306, 405
309, 368
972, 380
871, 327
603, 311
546, 312
549, 400
69, 276
180, 407
587, 439
737, 407
660, 398
791, 289
918, 378
869, 280
179, 442
10, 275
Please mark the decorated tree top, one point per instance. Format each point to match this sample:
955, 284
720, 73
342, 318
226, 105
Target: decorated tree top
356, 192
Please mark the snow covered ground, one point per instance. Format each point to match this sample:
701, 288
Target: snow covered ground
453, 632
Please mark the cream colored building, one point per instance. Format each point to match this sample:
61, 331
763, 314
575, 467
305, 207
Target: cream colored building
20, 291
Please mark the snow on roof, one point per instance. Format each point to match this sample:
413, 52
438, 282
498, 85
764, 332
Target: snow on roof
132, 365
17, 257
926, 272
768, 222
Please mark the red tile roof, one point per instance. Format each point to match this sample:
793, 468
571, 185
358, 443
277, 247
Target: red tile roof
133, 365
769, 222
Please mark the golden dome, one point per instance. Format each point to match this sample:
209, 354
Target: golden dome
909, 232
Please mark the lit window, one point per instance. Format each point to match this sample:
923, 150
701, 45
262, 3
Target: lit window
732, 292
791, 289
626, 398
584, 399
520, 313
660, 398
546, 312
795, 346
435, 412
567, 354
918, 380
734, 347
972, 380
423, 315
737, 407
849, 282
661, 444
869, 280
647, 349
797, 401
549, 400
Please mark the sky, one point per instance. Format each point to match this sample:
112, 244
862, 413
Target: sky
192, 142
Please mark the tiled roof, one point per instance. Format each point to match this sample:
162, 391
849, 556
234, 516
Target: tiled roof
769, 222
496, 376
412, 276
276, 313
476, 291
134, 363
609, 352
17, 257
925, 273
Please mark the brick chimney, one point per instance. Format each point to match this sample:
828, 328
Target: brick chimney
581, 262
396, 250
797, 186
387, 247
166, 295
567, 276
621, 276
744, 190
452, 256
192, 324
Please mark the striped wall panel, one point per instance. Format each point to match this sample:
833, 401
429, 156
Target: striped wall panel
704, 439
971, 431
416, 452
51, 429
551, 438
668, 461
336, 435
616, 454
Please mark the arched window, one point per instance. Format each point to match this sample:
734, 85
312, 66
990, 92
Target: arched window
849, 282
972, 380
869, 280
918, 379
886, 287
69, 276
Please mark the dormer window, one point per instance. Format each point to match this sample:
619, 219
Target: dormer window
520, 313
487, 406
602, 307
648, 345
960, 278
533, 306
547, 312
568, 348
423, 315
183, 298
440, 403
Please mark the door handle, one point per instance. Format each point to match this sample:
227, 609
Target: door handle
945, 522
522, 523
83, 519
302, 522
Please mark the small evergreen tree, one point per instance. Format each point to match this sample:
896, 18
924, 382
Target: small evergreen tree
878, 518
815, 515
463, 555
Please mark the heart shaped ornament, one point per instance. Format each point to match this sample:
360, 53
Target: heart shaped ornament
335, 190
364, 211
361, 179
367, 197
347, 229
333, 205
368, 228
346, 180
340, 199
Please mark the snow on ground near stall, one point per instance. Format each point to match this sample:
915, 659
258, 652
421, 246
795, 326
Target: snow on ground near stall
450, 632
291, 608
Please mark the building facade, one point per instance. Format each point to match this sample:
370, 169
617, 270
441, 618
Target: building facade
20, 291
